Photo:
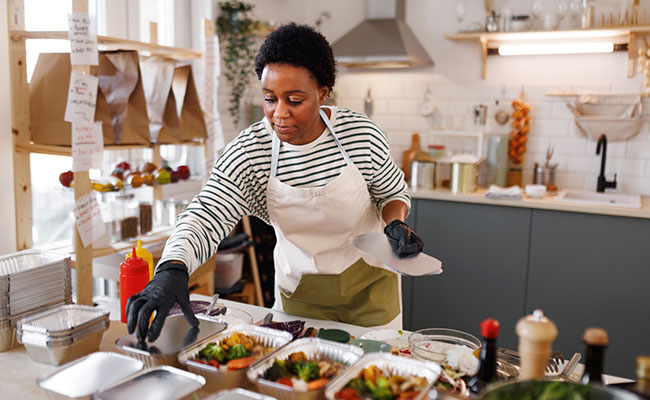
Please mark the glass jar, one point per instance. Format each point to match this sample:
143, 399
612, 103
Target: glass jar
146, 218
125, 215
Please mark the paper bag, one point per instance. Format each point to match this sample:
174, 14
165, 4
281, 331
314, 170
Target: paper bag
48, 94
157, 77
120, 83
188, 105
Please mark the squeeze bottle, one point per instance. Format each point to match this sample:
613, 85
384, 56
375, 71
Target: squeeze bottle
536, 334
134, 276
145, 255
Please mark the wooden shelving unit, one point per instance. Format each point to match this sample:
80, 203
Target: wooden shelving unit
620, 35
23, 146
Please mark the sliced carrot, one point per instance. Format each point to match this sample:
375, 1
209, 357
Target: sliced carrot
410, 395
285, 381
240, 363
317, 384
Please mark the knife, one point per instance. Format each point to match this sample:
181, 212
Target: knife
377, 245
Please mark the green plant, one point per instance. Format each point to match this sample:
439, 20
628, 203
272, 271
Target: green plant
236, 30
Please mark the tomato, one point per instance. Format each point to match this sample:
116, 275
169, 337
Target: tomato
285, 381
347, 394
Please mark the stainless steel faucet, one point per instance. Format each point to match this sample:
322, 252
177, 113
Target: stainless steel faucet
603, 183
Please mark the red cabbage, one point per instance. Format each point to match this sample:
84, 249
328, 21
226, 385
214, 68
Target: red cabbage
293, 327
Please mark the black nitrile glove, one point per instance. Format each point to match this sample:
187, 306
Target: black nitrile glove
168, 286
402, 239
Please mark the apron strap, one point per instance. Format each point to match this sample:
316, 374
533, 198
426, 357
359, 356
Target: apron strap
275, 145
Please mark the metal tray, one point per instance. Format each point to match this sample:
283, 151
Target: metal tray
63, 321
238, 394
390, 365
8, 326
313, 348
218, 379
19, 264
63, 350
160, 383
80, 379
176, 336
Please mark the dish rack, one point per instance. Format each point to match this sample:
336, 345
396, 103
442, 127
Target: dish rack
618, 116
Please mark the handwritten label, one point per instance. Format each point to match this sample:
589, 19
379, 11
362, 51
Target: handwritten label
87, 146
83, 39
88, 219
82, 98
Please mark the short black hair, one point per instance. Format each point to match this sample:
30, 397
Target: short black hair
301, 46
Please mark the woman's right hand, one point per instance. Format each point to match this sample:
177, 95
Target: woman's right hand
168, 286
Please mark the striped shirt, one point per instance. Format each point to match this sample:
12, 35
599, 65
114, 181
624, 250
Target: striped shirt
239, 178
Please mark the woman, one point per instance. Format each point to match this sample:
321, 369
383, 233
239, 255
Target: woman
319, 175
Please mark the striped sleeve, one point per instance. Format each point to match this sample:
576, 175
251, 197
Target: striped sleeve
232, 191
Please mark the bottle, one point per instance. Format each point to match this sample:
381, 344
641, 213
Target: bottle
642, 384
536, 334
367, 104
145, 255
134, 276
596, 340
487, 369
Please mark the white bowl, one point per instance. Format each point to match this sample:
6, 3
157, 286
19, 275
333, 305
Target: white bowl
535, 191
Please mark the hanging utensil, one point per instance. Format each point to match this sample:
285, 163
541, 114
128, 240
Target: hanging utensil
377, 245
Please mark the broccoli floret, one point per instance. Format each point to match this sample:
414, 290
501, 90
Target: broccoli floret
237, 351
305, 370
213, 352
381, 390
359, 385
278, 370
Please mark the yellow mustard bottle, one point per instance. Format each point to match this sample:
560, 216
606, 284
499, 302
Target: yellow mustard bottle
536, 334
145, 255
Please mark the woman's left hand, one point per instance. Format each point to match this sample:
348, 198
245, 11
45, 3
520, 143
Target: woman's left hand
404, 241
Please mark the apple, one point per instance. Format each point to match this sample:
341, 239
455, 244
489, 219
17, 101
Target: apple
150, 168
183, 171
135, 180
124, 166
175, 176
66, 178
148, 179
118, 173
163, 176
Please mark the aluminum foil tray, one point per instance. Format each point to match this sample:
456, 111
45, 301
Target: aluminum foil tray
313, 348
220, 378
58, 351
8, 326
63, 321
176, 336
80, 379
160, 383
23, 263
390, 365
238, 394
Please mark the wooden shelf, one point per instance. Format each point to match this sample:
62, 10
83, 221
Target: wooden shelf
620, 35
110, 42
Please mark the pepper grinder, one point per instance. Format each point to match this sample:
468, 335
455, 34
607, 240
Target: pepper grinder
536, 334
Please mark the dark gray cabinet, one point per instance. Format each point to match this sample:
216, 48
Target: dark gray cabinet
581, 269
484, 253
593, 270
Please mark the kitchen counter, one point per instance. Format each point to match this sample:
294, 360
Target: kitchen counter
546, 203
18, 373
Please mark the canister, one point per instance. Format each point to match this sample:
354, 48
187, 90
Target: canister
464, 177
423, 175
545, 175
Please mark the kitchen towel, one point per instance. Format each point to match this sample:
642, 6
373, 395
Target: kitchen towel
509, 193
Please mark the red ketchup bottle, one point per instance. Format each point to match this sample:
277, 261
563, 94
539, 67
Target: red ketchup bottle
134, 276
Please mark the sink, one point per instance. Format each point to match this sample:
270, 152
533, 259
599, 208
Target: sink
600, 199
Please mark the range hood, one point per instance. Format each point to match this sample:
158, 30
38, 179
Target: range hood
382, 40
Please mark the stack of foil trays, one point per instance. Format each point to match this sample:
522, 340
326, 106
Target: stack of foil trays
31, 281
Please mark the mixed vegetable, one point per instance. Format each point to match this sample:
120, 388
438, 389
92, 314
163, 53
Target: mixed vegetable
237, 351
301, 373
372, 383
545, 390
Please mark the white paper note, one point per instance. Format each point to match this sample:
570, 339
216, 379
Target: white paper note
83, 39
88, 219
82, 98
87, 146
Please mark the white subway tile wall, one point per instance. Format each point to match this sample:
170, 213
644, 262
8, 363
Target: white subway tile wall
397, 97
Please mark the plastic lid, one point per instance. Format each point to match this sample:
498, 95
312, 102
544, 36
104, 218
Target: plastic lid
490, 328
134, 265
336, 335
536, 327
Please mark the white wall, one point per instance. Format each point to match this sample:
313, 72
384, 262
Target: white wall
7, 214
456, 85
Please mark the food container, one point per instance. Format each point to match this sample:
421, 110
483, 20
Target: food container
232, 315
390, 365
520, 390
32, 279
239, 394
8, 326
313, 348
423, 343
219, 378
80, 379
423, 175
160, 383
464, 177
63, 333
535, 191
176, 335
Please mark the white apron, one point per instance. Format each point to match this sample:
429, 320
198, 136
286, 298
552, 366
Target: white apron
313, 225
